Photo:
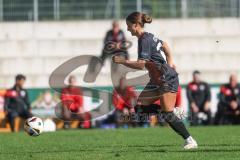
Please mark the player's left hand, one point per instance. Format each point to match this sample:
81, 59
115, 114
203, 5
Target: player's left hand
119, 59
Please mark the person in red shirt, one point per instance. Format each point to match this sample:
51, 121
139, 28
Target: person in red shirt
123, 100
72, 102
16, 102
229, 103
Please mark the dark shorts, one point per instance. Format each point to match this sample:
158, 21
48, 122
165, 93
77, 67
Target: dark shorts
167, 82
150, 109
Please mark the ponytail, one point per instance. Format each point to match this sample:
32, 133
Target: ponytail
146, 18
137, 17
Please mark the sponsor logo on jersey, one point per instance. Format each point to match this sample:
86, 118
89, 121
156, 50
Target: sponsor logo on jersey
22, 93
236, 91
202, 87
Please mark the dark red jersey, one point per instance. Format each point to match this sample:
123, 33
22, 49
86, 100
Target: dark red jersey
122, 99
72, 98
228, 94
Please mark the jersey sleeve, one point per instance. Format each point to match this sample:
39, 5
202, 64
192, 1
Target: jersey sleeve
144, 52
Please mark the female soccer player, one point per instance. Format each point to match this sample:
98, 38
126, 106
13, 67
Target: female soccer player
163, 83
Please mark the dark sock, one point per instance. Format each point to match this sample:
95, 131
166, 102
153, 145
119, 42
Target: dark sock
150, 109
176, 124
139, 115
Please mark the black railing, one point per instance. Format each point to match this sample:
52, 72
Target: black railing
40, 10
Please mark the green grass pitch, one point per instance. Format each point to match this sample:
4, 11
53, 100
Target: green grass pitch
138, 143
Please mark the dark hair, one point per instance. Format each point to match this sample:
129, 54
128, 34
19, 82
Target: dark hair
20, 77
71, 77
138, 17
196, 72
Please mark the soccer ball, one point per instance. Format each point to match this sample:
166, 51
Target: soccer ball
33, 126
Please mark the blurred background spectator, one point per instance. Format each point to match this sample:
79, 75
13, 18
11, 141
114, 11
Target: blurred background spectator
114, 35
229, 103
46, 101
44, 107
72, 106
123, 100
199, 96
17, 103
4, 126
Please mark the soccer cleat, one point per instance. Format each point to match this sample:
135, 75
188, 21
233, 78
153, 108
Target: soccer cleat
190, 143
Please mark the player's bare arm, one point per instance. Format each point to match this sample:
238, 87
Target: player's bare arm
139, 64
168, 54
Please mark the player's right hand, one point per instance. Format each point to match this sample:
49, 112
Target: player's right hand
118, 59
